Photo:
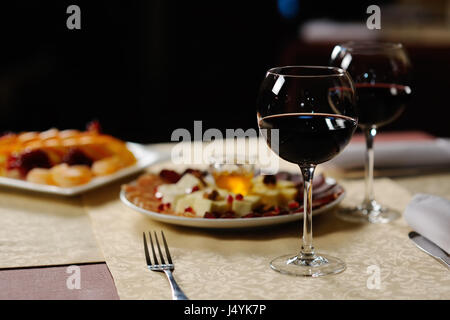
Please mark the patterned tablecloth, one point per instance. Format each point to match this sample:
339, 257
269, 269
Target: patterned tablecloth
382, 263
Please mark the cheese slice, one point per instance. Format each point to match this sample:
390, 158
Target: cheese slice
173, 192
246, 205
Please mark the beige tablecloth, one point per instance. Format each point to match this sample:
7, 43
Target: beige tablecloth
234, 264
42, 230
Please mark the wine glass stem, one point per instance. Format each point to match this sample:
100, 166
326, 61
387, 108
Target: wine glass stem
370, 133
307, 250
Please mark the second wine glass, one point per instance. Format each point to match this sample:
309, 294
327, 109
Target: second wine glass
381, 72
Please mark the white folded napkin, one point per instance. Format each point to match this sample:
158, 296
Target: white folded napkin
397, 154
429, 215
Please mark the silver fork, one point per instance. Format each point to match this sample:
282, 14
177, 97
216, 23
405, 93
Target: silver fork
177, 293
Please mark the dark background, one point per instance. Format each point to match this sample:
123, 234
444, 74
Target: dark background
145, 68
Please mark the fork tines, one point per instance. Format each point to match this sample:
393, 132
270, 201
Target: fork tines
167, 268
156, 265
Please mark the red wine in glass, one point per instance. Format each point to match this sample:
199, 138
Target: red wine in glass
380, 103
309, 138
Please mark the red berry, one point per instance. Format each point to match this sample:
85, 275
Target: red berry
167, 205
211, 215
75, 156
293, 205
195, 188
12, 162
161, 207
239, 196
230, 198
28, 160
189, 209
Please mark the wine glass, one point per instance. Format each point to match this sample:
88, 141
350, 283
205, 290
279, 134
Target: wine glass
381, 72
307, 115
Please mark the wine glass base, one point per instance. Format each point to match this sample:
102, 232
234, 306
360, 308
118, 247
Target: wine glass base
317, 266
373, 213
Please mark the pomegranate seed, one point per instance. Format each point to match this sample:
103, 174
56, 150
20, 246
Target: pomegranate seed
167, 205
189, 209
161, 207
195, 188
239, 196
293, 205
230, 198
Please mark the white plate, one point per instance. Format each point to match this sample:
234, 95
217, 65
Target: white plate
226, 223
144, 156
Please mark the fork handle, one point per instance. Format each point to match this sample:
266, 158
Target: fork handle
177, 293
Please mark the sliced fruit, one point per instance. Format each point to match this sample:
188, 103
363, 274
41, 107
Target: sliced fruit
40, 175
70, 176
28, 160
106, 166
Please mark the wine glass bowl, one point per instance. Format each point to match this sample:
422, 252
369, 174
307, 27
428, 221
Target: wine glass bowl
381, 72
307, 115
315, 103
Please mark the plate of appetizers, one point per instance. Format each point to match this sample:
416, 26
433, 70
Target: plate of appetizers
196, 198
68, 162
